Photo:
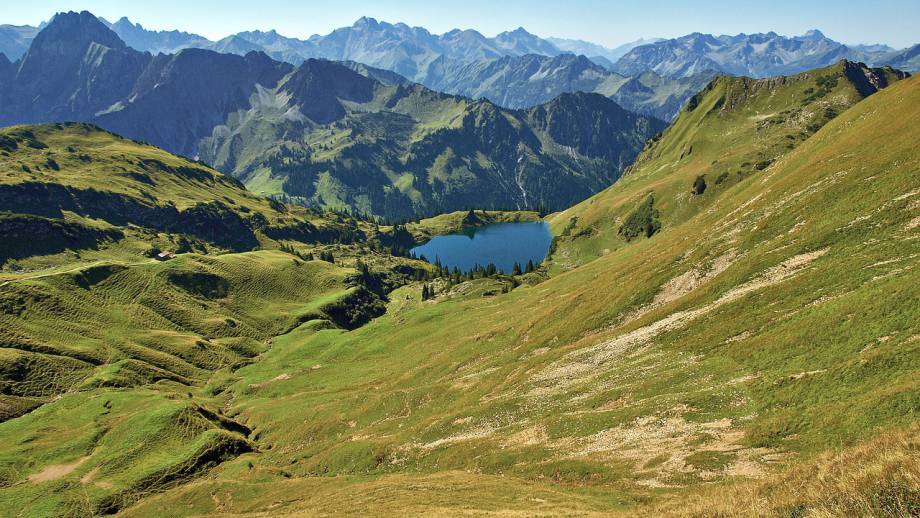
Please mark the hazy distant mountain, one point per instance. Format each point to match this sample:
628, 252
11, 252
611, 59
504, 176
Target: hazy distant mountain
15, 40
593, 50
907, 59
167, 42
519, 42
325, 133
79, 69
270, 42
409, 51
873, 48
524, 81
516, 69
529, 80
754, 55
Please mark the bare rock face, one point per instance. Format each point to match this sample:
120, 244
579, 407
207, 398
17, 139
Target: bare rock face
870, 80
752, 55
74, 67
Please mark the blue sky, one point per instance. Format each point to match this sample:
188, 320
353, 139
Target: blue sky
896, 22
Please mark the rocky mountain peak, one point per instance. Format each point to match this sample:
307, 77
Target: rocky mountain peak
77, 30
366, 22
813, 34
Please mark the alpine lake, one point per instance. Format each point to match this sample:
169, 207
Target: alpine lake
501, 244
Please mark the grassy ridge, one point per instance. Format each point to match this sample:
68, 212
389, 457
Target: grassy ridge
85, 191
726, 346
768, 323
109, 358
730, 132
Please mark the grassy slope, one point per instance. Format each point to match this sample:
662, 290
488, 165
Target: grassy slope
89, 158
734, 129
121, 351
769, 323
136, 189
127, 346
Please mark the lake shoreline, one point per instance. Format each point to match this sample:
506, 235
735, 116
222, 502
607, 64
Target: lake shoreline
501, 244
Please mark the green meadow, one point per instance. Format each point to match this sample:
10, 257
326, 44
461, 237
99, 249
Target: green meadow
746, 347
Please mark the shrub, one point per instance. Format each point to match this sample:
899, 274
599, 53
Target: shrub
699, 185
643, 220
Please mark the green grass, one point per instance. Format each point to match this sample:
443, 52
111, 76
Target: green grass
769, 329
408, 152
427, 228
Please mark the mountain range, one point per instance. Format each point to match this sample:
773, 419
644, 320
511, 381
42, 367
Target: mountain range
752, 55
517, 69
15, 40
730, 329
321, 133
524, 81
604, 56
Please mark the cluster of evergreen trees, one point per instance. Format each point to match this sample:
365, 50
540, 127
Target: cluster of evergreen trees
323, 256
455, 276
476, 272
642, 221
398, 242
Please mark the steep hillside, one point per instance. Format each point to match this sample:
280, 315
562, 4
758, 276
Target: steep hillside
327, 136
733, 130
180, 98
753, 55
717, 367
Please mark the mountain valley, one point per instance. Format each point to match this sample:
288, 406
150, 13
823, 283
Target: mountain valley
209, 305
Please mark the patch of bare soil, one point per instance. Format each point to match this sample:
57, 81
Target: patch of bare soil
57, 471
90, 476
659, 447
280, 377
528, 437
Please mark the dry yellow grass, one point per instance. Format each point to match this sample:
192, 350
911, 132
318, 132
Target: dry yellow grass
880, 477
